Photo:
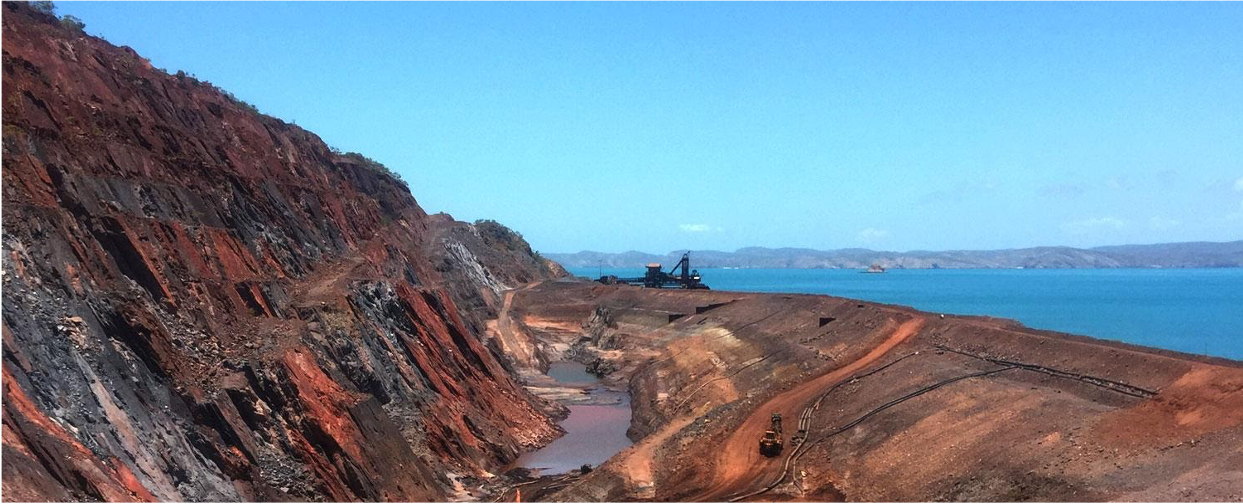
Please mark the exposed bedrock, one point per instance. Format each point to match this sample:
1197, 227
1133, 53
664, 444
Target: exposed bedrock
205, 303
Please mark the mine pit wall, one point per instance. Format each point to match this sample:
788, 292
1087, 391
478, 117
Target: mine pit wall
204, 303
1016, 434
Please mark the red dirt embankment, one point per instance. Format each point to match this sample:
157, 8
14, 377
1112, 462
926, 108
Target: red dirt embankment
205, 303
901, 405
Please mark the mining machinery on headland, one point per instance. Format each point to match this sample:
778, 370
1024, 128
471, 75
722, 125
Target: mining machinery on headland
680, 277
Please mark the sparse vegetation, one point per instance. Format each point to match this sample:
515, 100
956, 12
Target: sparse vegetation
371, 164
72, 23
239, 102
494, 232
44, 6
183, 75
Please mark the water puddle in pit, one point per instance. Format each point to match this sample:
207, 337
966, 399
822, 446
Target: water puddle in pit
572, 374
593, 432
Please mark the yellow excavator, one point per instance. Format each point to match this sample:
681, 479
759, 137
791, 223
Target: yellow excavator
770, 443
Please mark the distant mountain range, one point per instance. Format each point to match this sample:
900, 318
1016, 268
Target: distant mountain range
1165, 255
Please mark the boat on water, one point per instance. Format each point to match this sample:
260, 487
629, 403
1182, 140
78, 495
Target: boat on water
875, 268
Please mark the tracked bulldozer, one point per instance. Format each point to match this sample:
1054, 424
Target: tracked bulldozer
771, 441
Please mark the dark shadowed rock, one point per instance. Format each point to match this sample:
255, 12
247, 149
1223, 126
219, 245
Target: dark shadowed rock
205, 303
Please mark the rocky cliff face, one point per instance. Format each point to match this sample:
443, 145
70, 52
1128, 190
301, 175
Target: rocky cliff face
204, 303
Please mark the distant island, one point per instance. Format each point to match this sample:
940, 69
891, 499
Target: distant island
1165, 255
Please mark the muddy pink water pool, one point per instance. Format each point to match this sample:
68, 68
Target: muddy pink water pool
593, 432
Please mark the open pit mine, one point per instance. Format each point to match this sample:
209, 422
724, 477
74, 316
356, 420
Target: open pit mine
201, 302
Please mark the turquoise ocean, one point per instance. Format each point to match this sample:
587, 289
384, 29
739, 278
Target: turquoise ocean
1197, 311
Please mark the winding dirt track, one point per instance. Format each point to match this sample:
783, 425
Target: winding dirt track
512, 344
739, 465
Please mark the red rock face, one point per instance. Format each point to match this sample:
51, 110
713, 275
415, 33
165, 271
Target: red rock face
204, 303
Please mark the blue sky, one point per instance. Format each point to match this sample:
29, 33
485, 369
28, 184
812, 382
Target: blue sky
668, 126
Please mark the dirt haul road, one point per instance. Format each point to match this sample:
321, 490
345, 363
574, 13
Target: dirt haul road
517, 346
739, 465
